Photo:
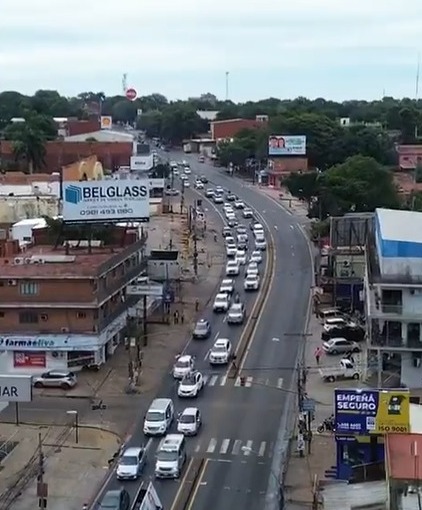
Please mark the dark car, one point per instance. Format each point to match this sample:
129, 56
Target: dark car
202, 329
231, 198
203, 179
353, 334
115, 500
227, 231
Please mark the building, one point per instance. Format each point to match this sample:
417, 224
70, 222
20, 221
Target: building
86, 169
393, 297
65, 308
59, 153
410, 156
102, 135
228, 129
281, 167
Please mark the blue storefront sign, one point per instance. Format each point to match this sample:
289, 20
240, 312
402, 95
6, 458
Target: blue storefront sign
355, 411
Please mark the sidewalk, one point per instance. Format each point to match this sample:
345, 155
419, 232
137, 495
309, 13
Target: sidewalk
287, 200
302, 473
73, 474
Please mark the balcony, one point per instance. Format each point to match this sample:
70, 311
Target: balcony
106, 291
123, 307
378, 309
394, 343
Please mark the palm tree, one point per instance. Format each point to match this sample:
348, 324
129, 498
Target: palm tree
29, 145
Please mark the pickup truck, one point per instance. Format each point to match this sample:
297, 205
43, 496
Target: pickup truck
345, 370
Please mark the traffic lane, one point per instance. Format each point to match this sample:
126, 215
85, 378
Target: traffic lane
229, 485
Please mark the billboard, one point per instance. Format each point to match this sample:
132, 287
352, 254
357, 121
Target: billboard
141, 162
362, 411
105, 201
106, 122
280, 145
15, 388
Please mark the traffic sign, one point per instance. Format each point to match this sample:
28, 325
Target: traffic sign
131, 94
145, 290
308, 405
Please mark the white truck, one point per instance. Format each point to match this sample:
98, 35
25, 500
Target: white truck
345, 370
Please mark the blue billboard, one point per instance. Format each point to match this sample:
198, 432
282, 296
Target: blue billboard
363, 411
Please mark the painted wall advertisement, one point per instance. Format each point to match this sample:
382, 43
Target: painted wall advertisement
361, 411
280, 145
106, 201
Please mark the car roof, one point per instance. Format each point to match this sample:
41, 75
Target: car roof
59, 372
332, 340
251, 276
133, 450
202, 321
159, 403
221, 341
237, 305
227, 280
333, 320
190, 410
185, 357
171, 441
221, 295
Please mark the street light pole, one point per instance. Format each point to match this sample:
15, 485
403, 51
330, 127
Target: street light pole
75, 415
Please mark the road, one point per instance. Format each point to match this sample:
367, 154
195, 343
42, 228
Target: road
239, 440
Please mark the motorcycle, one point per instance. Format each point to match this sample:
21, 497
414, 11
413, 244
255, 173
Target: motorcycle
328, 425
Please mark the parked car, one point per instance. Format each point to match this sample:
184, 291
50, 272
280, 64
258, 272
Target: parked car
345, 370
340, 346
354, 334
55, 379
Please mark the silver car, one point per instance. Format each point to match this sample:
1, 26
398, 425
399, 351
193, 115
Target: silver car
236, 314
340, 346
55, 379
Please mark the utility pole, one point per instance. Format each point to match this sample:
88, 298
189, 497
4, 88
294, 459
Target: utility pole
227, 85
144, 321
195, 241
42, 487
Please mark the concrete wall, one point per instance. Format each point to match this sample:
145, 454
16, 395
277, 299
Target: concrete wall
13, 209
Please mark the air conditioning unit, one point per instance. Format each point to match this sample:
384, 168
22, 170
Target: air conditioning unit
34, 260
65, 330
44, 317
57, 354
12, 283
18, 261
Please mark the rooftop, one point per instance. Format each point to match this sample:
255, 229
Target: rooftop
401, 226
404, 456
104, 135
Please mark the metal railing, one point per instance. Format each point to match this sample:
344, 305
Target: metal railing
395, 342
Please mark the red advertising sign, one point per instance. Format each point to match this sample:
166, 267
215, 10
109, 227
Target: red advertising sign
131, 94
29, 359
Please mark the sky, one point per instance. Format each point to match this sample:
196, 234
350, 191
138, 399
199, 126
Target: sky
336, 49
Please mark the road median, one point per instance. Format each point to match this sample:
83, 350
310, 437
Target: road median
190, 481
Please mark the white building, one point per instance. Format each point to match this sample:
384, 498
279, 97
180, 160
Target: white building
393, 297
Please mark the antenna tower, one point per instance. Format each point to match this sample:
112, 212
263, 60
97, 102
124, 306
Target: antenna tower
124, 83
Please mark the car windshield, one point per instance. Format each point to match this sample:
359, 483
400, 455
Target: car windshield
187, 418
166, 456
127, 460
155, 416
219, 348
189, 380
200, 326
182, 364
110, 501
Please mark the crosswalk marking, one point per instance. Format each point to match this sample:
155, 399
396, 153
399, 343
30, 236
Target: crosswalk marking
223, 380
235, 447
248, 382
205, 378
224, 446
212, 445
261, 451
280, 383
248, 448
213, 380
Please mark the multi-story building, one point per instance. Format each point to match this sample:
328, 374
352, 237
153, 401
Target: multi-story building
65, 307
393, 297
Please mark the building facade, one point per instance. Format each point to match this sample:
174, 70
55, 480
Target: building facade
228, 129
393, 297
65, 308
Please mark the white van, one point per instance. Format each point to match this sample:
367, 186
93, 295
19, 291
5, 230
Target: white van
159, 417
171, 456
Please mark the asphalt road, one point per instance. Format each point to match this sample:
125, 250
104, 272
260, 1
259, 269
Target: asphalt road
218, 392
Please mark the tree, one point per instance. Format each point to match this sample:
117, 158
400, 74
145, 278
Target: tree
150, 122
179, 122
232, 153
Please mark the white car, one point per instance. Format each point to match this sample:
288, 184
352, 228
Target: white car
256, 256
189, 421
258, 230
239, 204
231, 217
231, 250
199, 185
218, 199
221, 302
252, 269
233, 267
260, 244
247, 213
236, 314
227, 286
183, 366
221, 352
131, 463
219, 189
186, 184
228, 209
337, 322
229, 240
251, 282
187, 170
241, 257
190, 385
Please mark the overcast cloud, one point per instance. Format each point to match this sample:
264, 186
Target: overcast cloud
314, 48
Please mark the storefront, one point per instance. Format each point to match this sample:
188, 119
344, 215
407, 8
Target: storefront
33, 354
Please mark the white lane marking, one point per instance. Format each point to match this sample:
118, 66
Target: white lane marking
206, 355
236, 447
292, 227
197, 447
237, 382
212, 445
280, 382
275, 227
248, 448
261, 451
223, 380
248, 382
275, 339
224, 446
216, 335
213, 380
225, 318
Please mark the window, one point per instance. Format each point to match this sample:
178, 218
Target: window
28, 318
1, 315
29, 288
81, 315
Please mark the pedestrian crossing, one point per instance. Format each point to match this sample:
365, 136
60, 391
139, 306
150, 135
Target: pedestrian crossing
246, 382
234, 447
